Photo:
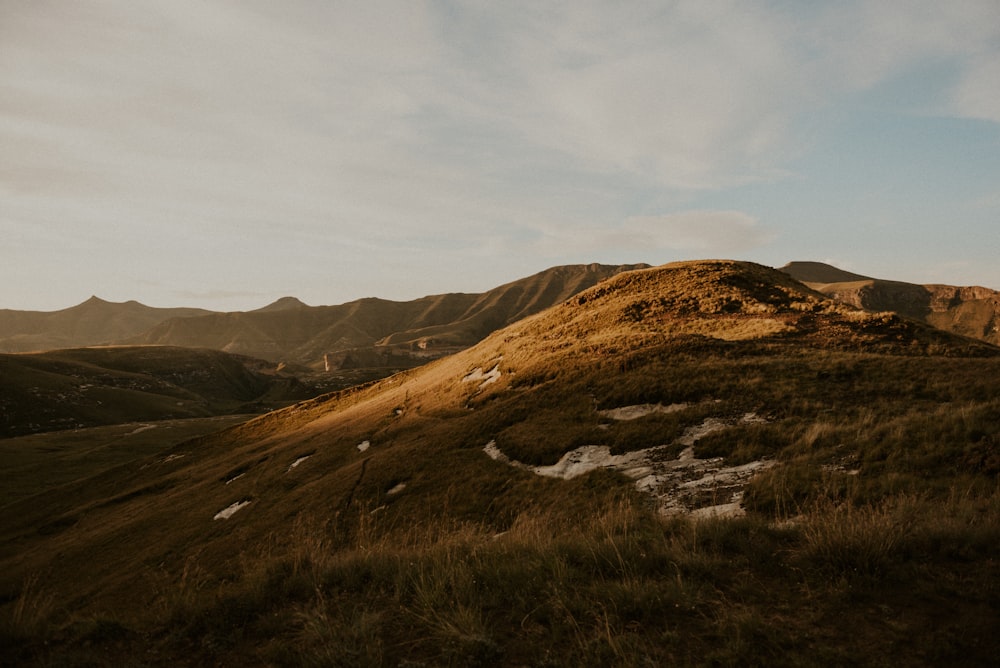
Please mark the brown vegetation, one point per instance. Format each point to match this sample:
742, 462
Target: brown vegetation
871, 539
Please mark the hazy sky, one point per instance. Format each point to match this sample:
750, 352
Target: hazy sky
224, 153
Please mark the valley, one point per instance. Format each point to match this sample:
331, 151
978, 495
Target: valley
87, 387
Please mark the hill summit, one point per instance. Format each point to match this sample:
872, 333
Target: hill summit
283, 304
820, 272
732, 300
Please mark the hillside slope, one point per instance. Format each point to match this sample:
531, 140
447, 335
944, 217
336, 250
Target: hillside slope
93, 322
534, 495
970, 311
86, 387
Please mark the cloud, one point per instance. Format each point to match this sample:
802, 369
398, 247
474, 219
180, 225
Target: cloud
863, 44
686, 97
703, 232
335, 130
977, 95
414, 114
722, 231
216, 296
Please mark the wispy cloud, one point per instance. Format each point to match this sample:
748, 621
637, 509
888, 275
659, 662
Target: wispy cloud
386, 125
977, 94
694, 231
248, 296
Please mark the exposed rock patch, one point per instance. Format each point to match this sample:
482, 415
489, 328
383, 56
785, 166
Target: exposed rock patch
485, 378
231, 510
640, 410
680, 485
298, 461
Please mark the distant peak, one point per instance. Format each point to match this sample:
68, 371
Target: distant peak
94, 302
820, 272
284, 304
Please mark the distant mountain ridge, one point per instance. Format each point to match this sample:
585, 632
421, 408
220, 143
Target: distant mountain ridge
93, 322
377, 332
380, 333
972, 311
363, 332
819, 272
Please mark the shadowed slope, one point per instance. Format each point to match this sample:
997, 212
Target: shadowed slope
85, 387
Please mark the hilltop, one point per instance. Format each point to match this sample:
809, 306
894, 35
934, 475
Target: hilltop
972, 311
696, 464
283, 304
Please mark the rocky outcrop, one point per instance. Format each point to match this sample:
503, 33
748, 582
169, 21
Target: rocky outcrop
972, 311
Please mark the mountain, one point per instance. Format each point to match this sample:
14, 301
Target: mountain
283, 304
818, 272
377, 332
94, 322
970, 311
75, 388
704, 463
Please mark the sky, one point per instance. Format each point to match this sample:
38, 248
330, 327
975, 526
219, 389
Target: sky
224, 153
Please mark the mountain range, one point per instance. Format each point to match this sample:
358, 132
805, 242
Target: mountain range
703, 463
377, 333
367, 332
93, 322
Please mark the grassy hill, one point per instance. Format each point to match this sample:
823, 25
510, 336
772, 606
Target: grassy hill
703, 463
85, 387
970, 311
